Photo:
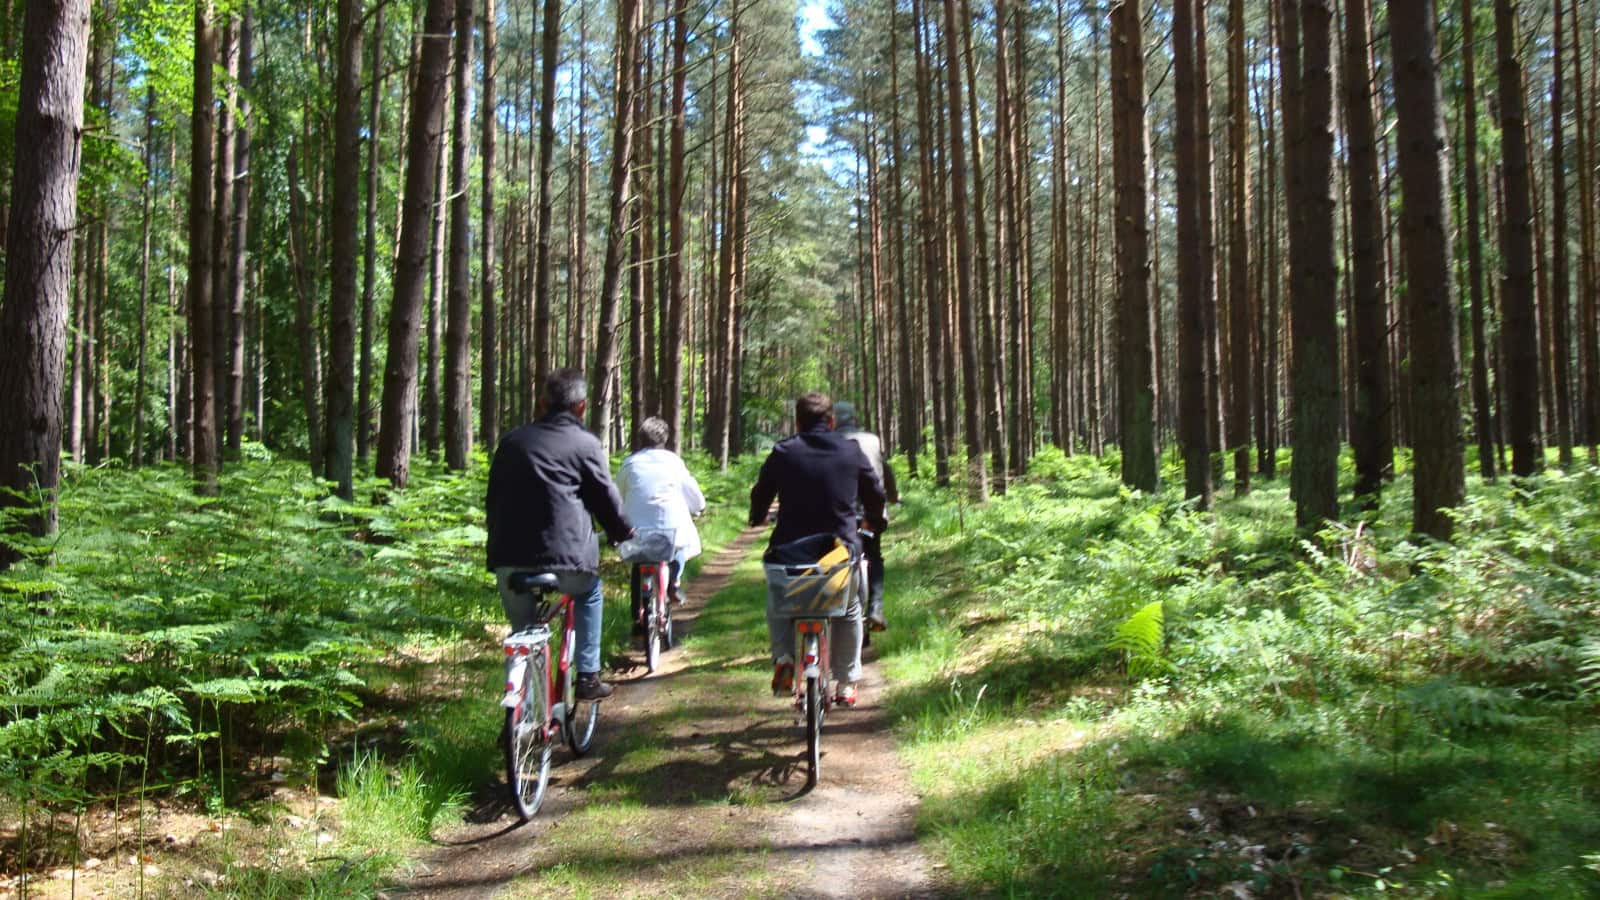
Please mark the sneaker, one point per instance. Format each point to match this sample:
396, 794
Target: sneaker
590, 687
876, 621
846, 695
783, 676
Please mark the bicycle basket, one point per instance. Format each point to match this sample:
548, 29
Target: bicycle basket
822, 589
648, 547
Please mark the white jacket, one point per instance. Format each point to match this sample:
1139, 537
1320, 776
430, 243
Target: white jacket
659, 493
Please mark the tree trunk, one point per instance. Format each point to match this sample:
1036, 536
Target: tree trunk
1589, 305
305, 319
203, 441
1560, 339
1371, 434
1130, 165
370, 249
603, 375
1313, 296
437, 267
145, 189
1240, 299
673, 317
1438, 480
1193, 433
1519, 318
543, 347
488, 399
38, 243
339, 442
966, 303
1481, 403
222, 230
458, 304
239, 223
411, 263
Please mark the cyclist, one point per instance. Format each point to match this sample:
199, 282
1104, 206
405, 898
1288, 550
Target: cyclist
847, 424
547, 479
660, 494
818, 476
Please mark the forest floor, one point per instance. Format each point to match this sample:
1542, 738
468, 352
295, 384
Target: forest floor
696, 784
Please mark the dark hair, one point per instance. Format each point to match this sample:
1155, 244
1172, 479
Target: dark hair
650, 434
564, 389
810, 409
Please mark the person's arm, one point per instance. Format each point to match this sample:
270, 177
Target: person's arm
870, 491
890, 489
693, 497
599, 495
764, 492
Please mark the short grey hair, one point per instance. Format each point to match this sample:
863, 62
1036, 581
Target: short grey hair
565, 388
844, 415
650, 434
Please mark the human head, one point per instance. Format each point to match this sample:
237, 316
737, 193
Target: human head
844, 415
565, 391
651, 434
811, 409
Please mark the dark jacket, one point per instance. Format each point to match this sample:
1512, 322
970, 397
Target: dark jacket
817, 476
548, 477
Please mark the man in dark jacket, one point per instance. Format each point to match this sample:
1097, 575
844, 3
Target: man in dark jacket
547, 479
818, 476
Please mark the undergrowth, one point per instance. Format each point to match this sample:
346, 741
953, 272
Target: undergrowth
1103, 691
205, 653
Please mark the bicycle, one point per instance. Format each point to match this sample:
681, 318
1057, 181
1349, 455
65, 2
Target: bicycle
812, 596
541, 702
650, 554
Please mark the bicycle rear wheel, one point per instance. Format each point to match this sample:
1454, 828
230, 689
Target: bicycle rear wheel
654, 641
529, 746
813, 729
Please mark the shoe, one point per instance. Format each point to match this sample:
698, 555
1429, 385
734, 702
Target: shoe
783, 676
590, 687
846, 695
876, 621
675, 595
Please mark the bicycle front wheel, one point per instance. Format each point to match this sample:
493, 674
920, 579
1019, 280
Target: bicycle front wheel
582, 716
813, 729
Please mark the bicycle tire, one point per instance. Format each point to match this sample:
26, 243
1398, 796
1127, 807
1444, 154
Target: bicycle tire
581, 718
652, 642
528, 745
813, 730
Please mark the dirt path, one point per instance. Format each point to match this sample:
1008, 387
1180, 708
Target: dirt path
695, 786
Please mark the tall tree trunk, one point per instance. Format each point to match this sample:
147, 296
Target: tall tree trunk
1560, 337
1481, 403
1371, 433
1439, 482
603, 375
33, 317
239, 224
1589, 305
339, 443
1240, 300
1519, 318
222, 229
1313, 296
932, 266
1206, 209
145, 188
966, 303
1193, 411
437, 268
488, 399
909, 416
1130, 163
370, 248
458, 305
203, 442
674, 316
305, 319
543, 346
411, 263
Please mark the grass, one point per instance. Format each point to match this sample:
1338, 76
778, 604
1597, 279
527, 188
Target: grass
1352, 716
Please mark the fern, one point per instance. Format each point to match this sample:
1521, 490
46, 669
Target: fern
1142, 636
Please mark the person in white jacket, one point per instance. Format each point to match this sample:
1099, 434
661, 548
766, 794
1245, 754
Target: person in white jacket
660, 494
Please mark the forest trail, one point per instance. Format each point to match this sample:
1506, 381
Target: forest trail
695, 785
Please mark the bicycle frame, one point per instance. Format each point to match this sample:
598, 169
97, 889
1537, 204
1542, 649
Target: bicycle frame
812, 644
521, 646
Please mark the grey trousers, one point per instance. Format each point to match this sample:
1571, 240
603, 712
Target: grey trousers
844, 645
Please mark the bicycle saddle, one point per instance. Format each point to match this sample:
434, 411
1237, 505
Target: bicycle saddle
533, 582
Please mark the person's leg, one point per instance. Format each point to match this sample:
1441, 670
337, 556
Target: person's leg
780, 639
845, 644
873, 547
517, 605
587, 607
636, 593
675, 579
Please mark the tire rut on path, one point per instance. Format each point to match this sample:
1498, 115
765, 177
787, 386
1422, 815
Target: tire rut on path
713, 803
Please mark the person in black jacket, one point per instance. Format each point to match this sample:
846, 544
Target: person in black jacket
818, 476
546, 481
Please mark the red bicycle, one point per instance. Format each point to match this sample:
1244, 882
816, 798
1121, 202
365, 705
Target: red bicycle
650, 553
541, 702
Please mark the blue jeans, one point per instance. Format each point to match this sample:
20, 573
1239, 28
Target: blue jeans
584, 589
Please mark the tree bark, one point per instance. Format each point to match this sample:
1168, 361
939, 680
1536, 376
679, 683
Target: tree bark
1560, 336
339, 442
1518, 316
1439, 482
222, 229
370, 248
673, 317
488, 399
966, 303
239, 224
1193, 409
458, 303
305, 319
203, 441
1481, 403
411, 264
543, 346
1130, 162
603, 375
1371, 433
145, 188
1240, 299
38, 243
